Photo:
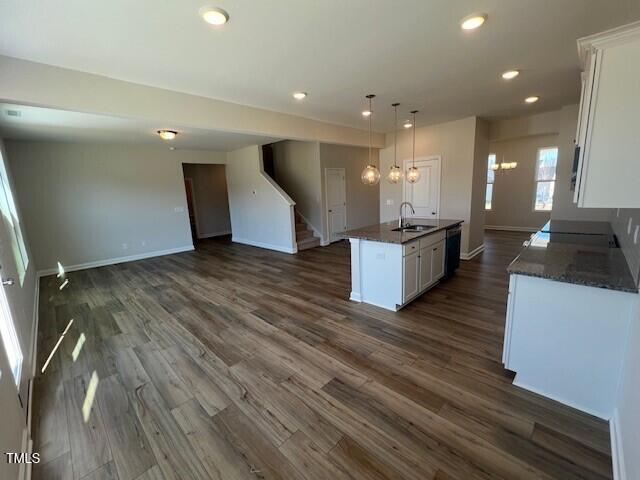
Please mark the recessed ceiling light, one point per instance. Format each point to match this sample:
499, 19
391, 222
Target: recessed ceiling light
532, 99
167, 134
366, 113
510, 74
300, 95
408, 125
473, 21
214, 16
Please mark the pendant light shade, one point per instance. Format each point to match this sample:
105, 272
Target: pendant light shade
395, 172
413, 174
370, 174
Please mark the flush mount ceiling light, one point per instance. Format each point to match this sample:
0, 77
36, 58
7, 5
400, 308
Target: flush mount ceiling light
370, 174
532, 99
167, 134
214, 16
300, 95
395, 172
510, 74
366, 113
408, 124
473, 21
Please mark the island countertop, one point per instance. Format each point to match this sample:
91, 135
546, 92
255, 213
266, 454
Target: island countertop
383, 232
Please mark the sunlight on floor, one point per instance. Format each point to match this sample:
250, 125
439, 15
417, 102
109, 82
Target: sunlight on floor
91, 394
46, 364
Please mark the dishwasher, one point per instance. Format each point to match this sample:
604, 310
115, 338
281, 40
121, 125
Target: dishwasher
452, 257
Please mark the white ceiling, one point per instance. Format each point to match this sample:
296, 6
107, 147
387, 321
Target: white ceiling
36, 123
411, 51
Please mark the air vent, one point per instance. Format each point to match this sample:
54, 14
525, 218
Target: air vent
14, 113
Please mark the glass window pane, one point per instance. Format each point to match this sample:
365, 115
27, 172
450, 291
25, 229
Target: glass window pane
488, 196
491, 174
544, 195
546, 164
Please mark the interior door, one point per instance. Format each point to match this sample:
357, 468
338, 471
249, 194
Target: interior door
336, 202
424, 195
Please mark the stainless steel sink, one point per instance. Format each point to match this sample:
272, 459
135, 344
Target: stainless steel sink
414, 228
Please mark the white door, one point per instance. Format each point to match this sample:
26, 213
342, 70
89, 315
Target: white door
424, 195
336, 202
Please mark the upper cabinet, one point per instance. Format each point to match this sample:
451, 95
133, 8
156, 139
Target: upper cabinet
608, 137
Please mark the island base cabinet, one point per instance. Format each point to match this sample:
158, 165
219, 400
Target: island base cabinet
567, 341
412, 274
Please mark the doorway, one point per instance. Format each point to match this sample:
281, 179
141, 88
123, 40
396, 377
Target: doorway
336, 192
205, 188
424, 195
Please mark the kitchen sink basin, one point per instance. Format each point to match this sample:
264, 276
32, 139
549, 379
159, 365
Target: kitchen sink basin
414, 228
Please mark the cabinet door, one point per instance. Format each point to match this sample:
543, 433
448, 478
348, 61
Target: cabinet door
411, 272
425, 268
437, 261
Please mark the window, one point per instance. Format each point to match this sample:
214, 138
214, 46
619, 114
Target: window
491, 175
10, 214
545, 178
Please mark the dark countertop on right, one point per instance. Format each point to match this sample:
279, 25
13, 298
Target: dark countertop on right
581, 264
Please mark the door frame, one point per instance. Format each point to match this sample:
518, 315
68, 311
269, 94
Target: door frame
193, 204
407, 163
326, 199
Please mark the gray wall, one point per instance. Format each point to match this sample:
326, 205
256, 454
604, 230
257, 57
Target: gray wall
297, 171
211, 198
363, 201
21, 298
455, 142
85, 203
479, 184
514, 190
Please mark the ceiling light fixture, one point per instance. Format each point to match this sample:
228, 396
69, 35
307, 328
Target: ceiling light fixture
167, 134
300, 95
408, 125
214, 16
366, 113
510, 74
395, 173
370, 174
532, 99
473, 21
413, 174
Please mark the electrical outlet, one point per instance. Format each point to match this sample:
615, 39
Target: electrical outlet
389, 201
178, 209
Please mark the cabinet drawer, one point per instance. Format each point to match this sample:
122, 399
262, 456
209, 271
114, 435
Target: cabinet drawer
431, 239
409, 248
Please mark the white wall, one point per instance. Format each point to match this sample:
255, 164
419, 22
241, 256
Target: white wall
210, 198
455, 142
297, 171
85, 203
261, 212
22, 301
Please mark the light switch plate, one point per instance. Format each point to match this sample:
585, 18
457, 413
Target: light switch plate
389, 201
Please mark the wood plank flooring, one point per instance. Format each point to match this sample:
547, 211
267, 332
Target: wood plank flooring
233, 362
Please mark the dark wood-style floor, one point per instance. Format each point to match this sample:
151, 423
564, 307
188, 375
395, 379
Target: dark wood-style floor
233, 362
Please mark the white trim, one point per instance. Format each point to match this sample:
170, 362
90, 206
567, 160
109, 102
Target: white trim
325, 243
113, 261
472, 253
214, 234
617, 454
508, 228
268, 246
561, 400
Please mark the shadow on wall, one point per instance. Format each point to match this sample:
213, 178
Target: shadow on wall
207, 200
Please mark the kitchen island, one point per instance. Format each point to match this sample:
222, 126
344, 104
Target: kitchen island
391, 266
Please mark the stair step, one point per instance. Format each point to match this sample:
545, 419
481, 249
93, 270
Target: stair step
308, 243
301, 226
303, 234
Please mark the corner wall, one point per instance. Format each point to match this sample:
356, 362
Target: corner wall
210, 197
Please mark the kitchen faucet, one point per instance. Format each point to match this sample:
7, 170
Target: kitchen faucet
401, 219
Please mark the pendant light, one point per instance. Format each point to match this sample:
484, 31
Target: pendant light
413, 174
370, 174
395, 173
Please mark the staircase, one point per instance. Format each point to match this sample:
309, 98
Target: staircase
305, 236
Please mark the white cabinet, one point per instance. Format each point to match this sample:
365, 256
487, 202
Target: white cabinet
411, 276
426, 278
437, 261
608, 167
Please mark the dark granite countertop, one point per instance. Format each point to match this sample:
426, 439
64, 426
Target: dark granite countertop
384, 233
573, 226
592, 266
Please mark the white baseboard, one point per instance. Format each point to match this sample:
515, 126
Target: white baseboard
325, 243
472, 253
113, 261
268, 246
214, 234
355, 297
511, 229
617, 454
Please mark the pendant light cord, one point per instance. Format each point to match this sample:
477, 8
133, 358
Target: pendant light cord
370, 115
414, 138
395, 136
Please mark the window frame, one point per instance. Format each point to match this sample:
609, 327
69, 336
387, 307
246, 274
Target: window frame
536, 181
487, 183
